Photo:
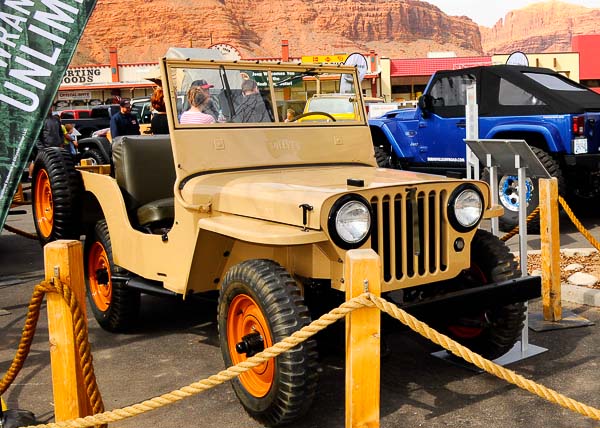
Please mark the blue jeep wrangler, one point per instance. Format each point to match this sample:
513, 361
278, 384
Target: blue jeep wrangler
558, 118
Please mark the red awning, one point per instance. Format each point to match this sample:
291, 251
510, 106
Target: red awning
428, 66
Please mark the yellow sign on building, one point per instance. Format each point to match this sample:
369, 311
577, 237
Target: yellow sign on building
325, 59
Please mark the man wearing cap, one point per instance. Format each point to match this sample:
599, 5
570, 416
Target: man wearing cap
123, 122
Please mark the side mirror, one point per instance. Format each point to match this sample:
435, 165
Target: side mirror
425, 103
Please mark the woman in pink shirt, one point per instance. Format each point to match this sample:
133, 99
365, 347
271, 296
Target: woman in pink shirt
197, 98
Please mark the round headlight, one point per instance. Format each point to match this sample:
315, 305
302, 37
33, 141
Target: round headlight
465, 208
350, 221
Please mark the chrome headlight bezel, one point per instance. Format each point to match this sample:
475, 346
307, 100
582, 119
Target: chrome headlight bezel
347, 202
457, 197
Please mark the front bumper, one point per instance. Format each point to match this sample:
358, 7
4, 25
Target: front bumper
480, 298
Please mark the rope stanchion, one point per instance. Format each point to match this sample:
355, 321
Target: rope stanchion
219, 378
81, 340
364, 300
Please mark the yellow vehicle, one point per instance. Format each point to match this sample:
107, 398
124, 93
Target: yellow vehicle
263, 211
339, 107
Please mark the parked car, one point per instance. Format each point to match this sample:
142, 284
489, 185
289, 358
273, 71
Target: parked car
75, 114
557, 117
99, 118
263, 213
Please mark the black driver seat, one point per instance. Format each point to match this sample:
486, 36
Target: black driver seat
145, 172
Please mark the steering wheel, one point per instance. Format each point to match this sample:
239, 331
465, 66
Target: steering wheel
313, 113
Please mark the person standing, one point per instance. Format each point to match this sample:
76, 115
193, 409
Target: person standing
159, 123
123, 122
52, 135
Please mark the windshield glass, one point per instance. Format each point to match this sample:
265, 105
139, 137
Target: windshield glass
262, 95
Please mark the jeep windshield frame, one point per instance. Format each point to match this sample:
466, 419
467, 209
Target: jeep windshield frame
234, 101
228, 143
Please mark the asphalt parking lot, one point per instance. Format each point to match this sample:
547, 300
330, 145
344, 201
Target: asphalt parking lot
176, 343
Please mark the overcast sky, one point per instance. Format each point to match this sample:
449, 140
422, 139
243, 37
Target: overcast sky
489, 12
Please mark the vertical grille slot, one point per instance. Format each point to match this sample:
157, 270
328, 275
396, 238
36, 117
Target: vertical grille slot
394, 236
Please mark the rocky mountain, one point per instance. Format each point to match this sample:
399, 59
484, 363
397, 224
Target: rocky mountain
143, 30
540, 27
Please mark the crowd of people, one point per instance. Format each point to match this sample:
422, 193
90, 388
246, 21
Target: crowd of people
200, 110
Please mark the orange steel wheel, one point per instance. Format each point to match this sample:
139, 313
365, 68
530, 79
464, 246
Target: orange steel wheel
99, 276
245, 317
44, 207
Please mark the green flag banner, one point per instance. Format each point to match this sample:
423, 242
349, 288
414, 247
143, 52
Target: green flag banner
37, 41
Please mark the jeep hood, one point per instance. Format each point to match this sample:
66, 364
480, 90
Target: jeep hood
277, 194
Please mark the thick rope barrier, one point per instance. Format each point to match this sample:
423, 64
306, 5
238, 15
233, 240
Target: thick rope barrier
219, 378
20, 232
515, 231
81, 340
578, 225
365, 300
484, 364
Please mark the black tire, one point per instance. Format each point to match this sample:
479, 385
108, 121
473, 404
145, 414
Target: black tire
114, 305
56, 193
382, 157
510, 219
260, 296
95, 155
493, 332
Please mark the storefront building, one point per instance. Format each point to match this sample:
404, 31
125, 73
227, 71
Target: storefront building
396, 80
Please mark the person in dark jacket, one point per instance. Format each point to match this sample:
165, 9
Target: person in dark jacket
252, 107
52, 135
159, 123
123, 122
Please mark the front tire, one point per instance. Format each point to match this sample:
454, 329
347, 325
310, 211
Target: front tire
259, 305
491, 332
56, 196
114, 305
382, 157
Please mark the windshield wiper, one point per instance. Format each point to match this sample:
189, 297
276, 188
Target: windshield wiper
225, 83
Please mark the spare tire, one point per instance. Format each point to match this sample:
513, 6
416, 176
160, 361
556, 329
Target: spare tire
56, 196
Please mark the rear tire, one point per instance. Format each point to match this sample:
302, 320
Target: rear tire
56, 196
260, 297
95, 155
114, 305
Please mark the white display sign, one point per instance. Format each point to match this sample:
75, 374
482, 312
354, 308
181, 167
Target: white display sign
74, 95
379, 109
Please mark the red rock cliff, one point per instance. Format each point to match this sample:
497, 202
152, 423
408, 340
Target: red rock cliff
143, 30
541, 27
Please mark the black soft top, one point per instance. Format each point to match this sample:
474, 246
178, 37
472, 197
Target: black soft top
557, 93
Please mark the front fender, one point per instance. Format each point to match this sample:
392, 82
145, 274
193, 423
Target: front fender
382, 134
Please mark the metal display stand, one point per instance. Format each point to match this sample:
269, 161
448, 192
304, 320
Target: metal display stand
513, 157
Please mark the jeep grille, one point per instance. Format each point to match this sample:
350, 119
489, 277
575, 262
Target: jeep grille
408, 233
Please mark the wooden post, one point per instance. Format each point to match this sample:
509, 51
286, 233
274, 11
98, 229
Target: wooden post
362, 273
550, 245
65, 260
